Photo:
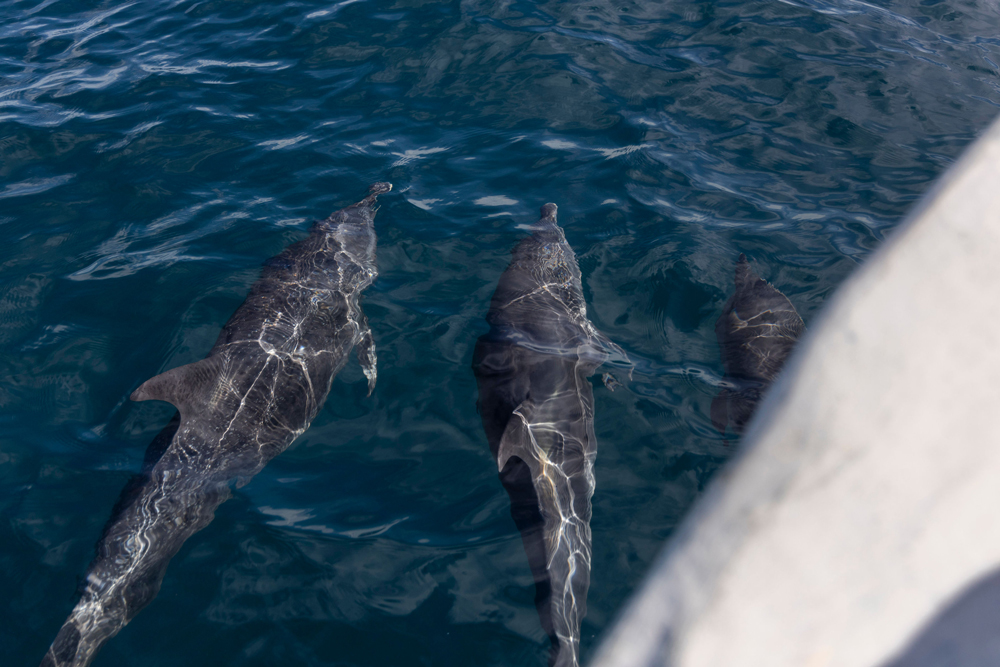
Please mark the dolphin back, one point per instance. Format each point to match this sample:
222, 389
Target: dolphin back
258, 389
555, 440
757, 331
537, 408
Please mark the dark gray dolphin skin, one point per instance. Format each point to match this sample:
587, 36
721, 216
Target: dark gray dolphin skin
257, 390
537, 408
757, 330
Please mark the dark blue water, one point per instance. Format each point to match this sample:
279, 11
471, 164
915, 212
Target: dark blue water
154, 154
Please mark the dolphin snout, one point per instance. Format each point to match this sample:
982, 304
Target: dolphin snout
380, 188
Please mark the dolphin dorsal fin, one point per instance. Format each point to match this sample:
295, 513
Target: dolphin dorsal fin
518, 440
184, 387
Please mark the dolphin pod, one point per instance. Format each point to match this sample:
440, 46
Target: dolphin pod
258, 389
757, 330
272, 367
537, 408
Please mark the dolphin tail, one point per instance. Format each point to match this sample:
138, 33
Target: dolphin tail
71, 648
563, 483
132, 558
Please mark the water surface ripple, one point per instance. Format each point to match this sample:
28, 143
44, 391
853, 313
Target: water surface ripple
154, 154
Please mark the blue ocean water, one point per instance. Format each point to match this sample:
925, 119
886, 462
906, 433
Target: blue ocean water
154, 154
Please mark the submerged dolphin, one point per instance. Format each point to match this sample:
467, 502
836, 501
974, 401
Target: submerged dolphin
757, 330
257, 390
537, 408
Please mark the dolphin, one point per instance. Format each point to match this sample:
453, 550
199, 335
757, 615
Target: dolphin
537, 408
258, 389
757, 330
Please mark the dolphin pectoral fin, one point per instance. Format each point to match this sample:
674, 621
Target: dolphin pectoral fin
720, 411
184, 386
610, 381
366, 354
612, 354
